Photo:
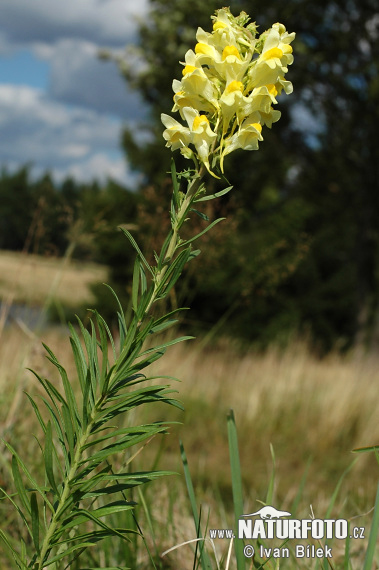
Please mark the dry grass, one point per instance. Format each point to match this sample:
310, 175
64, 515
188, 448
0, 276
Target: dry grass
31, 279
309, 409
313, 412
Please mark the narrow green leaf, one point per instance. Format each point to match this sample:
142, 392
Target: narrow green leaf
215, 195
200, 214
49, 446
65, 553
20, 485
34, 483
136, 247
143, 281
121, 317
366, 449
143, 303
7, 541
166, 344
79, 358
130, 430
70, 433
37, 412
121, 445
175, 184
35, 521
162, 257
163, 326
185, 243
81, 515
101, 319
135, 284
18, 509
104, 349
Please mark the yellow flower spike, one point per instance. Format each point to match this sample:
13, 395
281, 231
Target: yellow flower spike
230, 50
228, 89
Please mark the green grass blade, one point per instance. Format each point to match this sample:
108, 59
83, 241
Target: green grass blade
270, 490
204, 557
373, 538
236, 484
346, 561
335, 493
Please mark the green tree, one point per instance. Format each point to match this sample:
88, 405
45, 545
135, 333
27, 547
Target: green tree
305, 255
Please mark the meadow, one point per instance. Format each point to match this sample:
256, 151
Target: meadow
298, 419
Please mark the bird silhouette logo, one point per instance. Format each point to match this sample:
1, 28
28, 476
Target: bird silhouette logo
268, 512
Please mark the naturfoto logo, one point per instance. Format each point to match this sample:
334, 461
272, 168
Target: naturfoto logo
271, 524
275, 524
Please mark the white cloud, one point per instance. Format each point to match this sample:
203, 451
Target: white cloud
54, 136
78, 77
75, 126
98, 166
100, 21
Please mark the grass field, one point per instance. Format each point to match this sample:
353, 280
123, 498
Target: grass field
313, 412
32, 279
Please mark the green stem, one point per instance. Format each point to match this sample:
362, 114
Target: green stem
65, 494
176, 225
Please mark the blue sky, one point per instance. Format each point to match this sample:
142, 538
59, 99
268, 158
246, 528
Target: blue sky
61, 108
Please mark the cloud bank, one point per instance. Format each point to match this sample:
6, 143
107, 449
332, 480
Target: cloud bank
73, 126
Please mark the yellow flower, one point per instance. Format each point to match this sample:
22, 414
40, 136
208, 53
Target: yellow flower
195, 89
202, 136
246, 138
229, 85
175, 134
271, 65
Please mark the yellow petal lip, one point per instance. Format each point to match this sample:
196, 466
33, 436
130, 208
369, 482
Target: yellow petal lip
198, 121
234, 86
257, 126
219, 26
188, 69
201, 48
286, 48
272, 89
230, 50
272, 53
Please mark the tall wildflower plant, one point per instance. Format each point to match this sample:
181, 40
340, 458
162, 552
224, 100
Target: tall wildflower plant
225, 97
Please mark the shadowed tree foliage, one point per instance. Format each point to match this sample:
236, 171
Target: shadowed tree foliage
304, 256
